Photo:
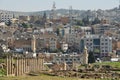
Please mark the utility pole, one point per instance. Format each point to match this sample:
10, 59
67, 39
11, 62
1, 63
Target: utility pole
71, 15
119, 5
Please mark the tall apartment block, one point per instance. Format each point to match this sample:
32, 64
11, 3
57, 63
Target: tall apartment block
100, 44
6, 17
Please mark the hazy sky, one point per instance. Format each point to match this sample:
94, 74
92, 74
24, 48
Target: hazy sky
38, 5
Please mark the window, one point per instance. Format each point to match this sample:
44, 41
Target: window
106, 50
102, 50
66, 59
87, 40
70, 59
90, 43
102, 43
96, 41
87, 43
74, 59
105, 39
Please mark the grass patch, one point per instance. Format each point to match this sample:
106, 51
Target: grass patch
2, 60
40, 77
112, 64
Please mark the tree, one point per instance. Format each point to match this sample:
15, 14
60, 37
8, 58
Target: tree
57, 32
86, 21
96, 21
91, 58
80, 23
24, 25
8, 23
44, 17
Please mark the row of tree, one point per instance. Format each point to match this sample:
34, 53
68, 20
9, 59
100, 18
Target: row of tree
85, 21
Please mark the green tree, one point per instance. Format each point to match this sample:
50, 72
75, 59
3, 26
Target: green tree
91, 58
24, 25
8, 23
57, 31
86, 21
96, 21
31, 25
80, 23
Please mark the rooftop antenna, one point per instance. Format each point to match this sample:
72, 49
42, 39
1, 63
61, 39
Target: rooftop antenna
70, 14
119, 4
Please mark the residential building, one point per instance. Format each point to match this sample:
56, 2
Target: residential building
24, 44
68, 58
53, 44
6, 17
100, 44
101, 28
86, 30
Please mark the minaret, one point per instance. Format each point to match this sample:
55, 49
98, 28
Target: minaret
33, 45
44, 19
53, 13
54, 6
85, 56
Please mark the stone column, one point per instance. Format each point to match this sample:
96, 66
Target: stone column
42, 63
35, 64
21, 66
17, 67
85, 56
7, 66
25, 65
28, 65
65, 66
10, 65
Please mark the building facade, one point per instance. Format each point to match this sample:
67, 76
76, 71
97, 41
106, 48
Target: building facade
6, 17
53, 44
98, 44
68, 58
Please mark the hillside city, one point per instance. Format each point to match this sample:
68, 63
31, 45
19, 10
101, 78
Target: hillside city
65, 39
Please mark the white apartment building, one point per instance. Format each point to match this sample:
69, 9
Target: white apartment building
66, 30
5, 17
53, 44
73, 40
68, 58
86, 30
97, 43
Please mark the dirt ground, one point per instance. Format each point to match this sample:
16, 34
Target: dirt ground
41, 77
